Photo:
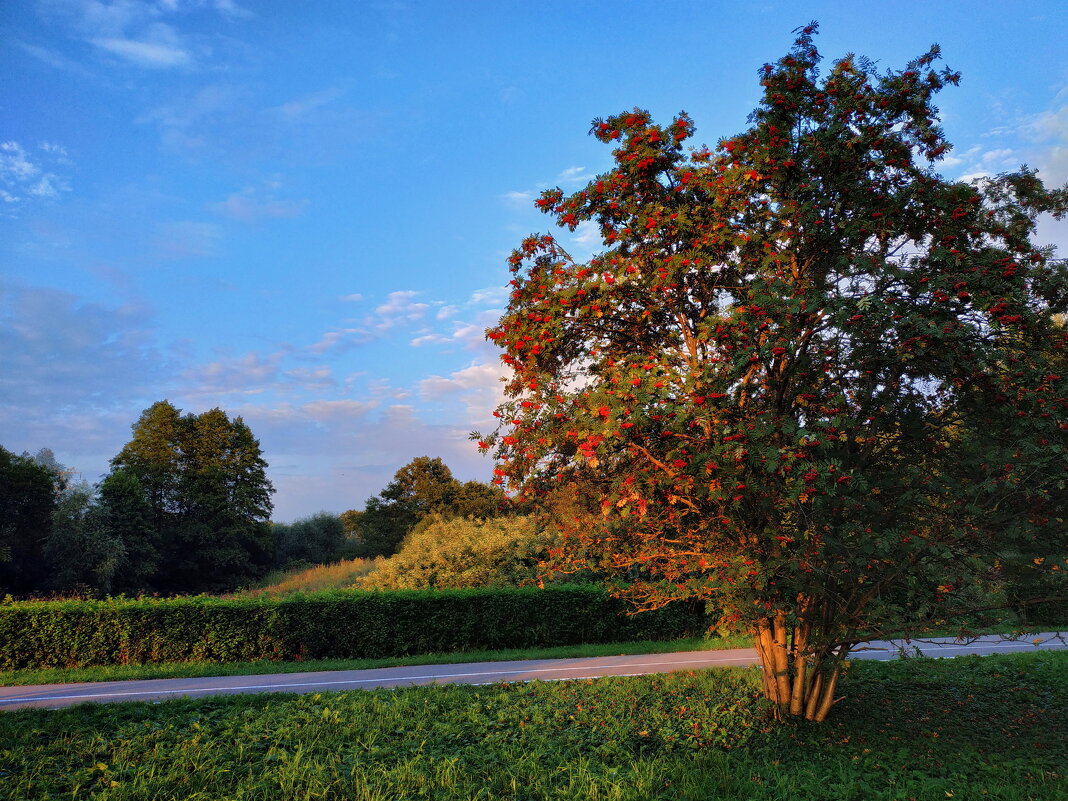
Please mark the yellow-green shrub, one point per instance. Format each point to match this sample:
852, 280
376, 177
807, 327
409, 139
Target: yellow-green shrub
463, 552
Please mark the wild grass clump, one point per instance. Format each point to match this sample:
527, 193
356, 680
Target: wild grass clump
332, 576
974, 728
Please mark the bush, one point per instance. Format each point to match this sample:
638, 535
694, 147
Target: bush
462, 553
341, 624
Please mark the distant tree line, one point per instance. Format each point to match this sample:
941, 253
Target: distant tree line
186, 507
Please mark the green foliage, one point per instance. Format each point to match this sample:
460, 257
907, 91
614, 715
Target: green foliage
807, 373
205, 491
27, 500
123, 512
81, 553
465, 552
423, 486
340, 624
311, 540
990, 727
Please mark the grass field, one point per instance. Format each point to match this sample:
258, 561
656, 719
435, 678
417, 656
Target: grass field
969, 728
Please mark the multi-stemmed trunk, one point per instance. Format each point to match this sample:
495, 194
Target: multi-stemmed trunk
800, 664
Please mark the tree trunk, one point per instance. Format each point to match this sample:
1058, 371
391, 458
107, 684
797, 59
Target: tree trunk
799, 677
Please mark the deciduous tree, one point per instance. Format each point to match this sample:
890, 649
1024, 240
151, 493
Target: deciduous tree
205, 482
28, 492
809, 378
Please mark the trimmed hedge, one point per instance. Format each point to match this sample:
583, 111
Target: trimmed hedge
338, 624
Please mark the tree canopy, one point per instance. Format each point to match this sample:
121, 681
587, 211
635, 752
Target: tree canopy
808, 377
422, 487
28, 493
206, 496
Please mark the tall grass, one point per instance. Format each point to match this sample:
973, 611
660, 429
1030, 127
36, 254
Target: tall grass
969, 728
333, 576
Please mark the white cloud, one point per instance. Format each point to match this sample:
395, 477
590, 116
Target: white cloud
445, 312
134, 30
356, 297
518, 198
152, 54
463, 334
254, 204
478, 386
400, 308
490, 296
14, 162
429, 339
587, 234
574, 175
246, 375
30, 173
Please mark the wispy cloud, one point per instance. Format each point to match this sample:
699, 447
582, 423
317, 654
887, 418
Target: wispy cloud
301, 106
141, 33
462, 334
28, 173
574, 175
490, 296
184, 122
519, 198
258, 203
400, 308
185, 239
63, 353
249, 374
53, 58
311, 377
160, 47
339, 340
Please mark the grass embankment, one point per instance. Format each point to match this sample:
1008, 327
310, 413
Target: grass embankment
989, 727
333, 576
185, 670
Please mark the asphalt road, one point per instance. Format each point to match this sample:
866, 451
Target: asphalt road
54, 696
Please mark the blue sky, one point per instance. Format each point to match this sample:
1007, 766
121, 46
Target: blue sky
300, 212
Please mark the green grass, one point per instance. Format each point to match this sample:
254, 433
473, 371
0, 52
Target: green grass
970, 728
185, 670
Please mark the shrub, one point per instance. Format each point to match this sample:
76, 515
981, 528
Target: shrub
463, 552
341, 624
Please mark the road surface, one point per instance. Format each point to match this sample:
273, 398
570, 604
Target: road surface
53, 696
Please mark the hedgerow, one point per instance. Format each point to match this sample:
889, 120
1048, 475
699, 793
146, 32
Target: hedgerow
339, 624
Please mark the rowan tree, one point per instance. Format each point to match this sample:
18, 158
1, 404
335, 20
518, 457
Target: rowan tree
808, 378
